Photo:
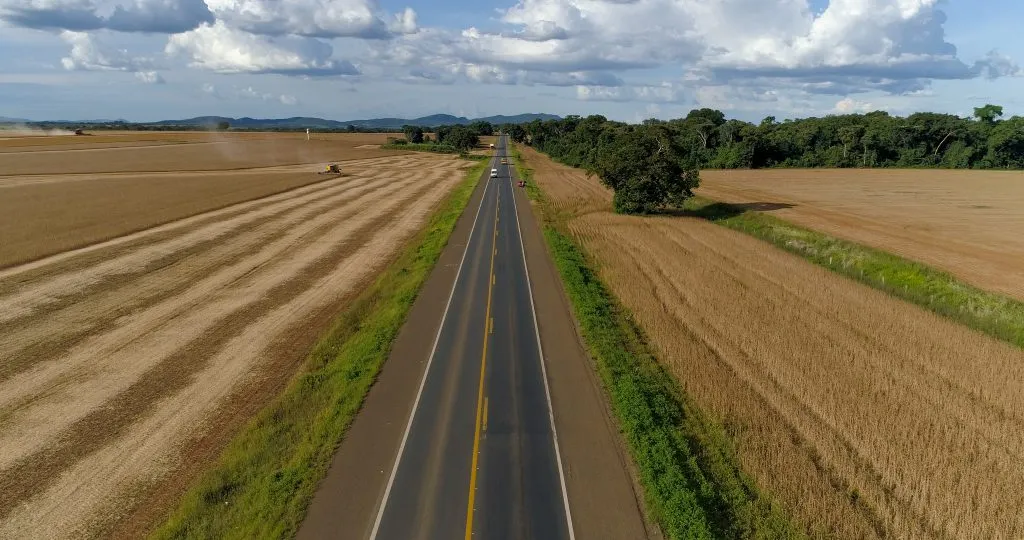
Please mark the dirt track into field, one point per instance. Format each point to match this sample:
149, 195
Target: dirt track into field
132, 360
968, 223
866, 417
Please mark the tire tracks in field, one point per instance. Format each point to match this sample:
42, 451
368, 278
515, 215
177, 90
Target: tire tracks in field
152, 438
31, 338
848, 453
745, 365
173, 372
20, 276
939, 391
132, 260
20, 392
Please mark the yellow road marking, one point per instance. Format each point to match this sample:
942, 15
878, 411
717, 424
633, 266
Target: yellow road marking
480, 400
485, 414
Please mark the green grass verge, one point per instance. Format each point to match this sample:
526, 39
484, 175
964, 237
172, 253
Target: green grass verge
264, 480
993, 314
692, 481
422, 147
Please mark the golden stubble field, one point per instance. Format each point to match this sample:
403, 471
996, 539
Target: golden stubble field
71, 193
865, 416
127, 363
968, 223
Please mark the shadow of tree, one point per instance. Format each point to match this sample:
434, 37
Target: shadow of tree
719, 210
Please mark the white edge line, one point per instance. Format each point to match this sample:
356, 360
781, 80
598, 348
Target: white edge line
426, 371
540, 348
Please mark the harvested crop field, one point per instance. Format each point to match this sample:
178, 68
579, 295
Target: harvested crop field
968, 223
127, 364
175, 152
865, 416
44, 214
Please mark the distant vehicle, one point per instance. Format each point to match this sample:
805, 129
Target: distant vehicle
522, 183
492, 145
504, 161
494, 173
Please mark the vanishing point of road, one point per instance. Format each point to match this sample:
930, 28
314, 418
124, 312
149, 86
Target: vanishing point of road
478, 450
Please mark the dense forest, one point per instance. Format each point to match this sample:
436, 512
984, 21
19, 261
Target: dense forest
856, 140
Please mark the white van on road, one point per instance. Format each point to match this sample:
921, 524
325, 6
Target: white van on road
494, 173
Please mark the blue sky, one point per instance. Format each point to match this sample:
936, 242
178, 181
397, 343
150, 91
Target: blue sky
627, 59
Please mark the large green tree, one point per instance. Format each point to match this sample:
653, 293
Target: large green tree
413, 134
482, 128
462, 138
647, 169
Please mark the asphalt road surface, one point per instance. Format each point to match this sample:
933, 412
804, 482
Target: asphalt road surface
479, 457
457, 438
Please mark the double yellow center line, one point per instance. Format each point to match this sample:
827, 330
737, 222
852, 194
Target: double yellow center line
481, 401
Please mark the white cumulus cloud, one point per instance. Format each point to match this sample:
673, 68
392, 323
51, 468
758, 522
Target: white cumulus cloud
223, 49
314, 18
150, 16
88, 54
850, 106
894, 46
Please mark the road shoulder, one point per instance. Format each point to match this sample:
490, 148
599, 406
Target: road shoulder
604, 499
347, 498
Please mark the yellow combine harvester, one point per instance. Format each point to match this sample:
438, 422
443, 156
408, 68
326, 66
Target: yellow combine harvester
333, 168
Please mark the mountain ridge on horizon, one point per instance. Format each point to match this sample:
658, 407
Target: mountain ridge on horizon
315, 122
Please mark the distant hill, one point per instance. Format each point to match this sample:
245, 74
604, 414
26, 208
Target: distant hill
5, 120
381, 123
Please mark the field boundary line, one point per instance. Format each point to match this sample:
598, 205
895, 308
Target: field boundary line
996, 315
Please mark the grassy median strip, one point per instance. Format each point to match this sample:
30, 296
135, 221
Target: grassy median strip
266, 477
993, 314
693, 484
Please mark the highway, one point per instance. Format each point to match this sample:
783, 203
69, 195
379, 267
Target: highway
478, 458
457, 439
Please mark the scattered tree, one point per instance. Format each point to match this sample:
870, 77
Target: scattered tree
413, 134
988, 114
462, 138
482, 128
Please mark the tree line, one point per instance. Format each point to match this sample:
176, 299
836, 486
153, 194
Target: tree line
655, 164
460, 138
876, 139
